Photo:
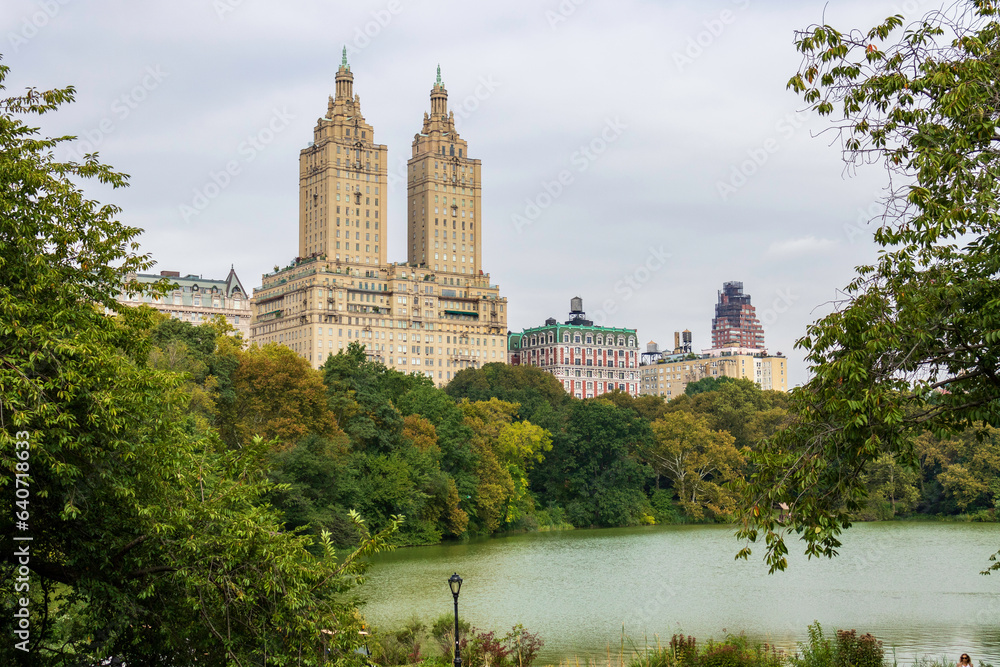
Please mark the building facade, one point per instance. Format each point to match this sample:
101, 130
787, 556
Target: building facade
588, 360
197, 300
431, 316
669, 375
443, 185
735, 323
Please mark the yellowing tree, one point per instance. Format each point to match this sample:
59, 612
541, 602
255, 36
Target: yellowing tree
277, 396
506, 452
697, 460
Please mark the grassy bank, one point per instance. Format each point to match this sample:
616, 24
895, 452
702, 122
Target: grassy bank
432, 645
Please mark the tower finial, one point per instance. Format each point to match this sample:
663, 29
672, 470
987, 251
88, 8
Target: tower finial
343, 61
439, 76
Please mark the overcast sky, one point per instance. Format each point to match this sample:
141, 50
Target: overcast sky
683, 161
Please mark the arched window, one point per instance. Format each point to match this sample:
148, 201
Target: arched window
565, 337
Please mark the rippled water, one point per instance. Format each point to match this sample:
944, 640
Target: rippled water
916, 586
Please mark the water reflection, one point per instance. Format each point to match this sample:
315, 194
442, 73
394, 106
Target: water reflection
915, 586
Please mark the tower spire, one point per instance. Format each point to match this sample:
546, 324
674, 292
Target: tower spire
345, 79
439, 97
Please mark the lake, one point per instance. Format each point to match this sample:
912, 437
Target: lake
916, 586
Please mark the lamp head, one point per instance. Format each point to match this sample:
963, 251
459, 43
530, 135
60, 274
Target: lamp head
455, 582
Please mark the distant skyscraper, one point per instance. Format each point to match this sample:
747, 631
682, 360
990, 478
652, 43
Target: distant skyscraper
735, 323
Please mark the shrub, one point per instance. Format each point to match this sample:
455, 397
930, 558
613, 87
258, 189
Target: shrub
524, 646
518, 648
684, 649
849, 650
443, 633
400, 647
854, 651
818, 652
664, 509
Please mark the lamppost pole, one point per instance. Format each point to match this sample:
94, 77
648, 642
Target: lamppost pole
455, 582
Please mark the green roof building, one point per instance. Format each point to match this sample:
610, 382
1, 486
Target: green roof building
589, 360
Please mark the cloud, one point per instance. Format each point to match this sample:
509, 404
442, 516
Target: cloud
554, 85
808, 245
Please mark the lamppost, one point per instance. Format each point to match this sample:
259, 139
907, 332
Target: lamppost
455, 582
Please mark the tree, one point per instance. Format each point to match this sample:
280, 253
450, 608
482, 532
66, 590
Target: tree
737, 406
970, 470
151, 541
594, 470
649, 408
705, 384
363, 394
913, 345
277, 396
541, 398
697, 460
506, 451
892, 488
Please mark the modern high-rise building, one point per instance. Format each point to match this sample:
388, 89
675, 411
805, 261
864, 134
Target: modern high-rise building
735, 323
435, 314
587, 359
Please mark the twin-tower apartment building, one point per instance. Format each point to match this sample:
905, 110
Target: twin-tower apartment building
435, 314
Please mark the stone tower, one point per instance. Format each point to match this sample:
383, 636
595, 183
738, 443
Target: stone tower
444, 231
342, 183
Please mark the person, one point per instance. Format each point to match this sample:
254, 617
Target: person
964, 661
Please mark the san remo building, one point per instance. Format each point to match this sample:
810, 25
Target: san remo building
435, 314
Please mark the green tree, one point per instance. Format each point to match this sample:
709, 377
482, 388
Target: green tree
649, 408
594, 470
151, 542
925, 316
736, 406
541, 398
363, 393
892, 488
705, 384
458, 457
972, 475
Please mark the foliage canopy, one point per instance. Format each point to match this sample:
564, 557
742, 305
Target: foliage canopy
914, 345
